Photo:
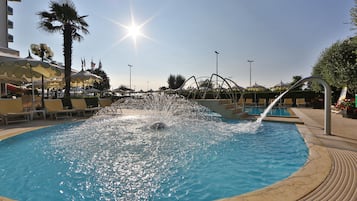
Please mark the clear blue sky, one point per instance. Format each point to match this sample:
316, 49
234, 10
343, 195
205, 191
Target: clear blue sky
283, 37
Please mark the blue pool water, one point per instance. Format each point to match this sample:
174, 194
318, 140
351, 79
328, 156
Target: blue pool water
34, 167
276, 111
198, 156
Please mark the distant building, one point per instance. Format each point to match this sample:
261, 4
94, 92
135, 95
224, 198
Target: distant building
5, 25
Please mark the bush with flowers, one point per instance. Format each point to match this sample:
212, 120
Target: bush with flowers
349, 106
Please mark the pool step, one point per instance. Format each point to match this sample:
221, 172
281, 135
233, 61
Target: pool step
224, 107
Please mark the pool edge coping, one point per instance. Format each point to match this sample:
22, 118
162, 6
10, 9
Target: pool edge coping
302, 182
299, 184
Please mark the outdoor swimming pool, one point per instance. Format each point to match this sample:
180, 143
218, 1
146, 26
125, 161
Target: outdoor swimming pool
114, 157
276, 111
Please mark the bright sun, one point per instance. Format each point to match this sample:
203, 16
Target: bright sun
134, 30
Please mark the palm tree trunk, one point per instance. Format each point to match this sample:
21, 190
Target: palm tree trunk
67, 53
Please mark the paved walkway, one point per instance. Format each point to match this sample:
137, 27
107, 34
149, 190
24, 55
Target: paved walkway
342, 127
19, 128
343, 130
341, 182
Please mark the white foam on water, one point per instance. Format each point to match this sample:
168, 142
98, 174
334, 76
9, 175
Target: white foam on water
130, 160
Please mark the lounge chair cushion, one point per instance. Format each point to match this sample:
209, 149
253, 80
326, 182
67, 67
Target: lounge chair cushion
11, 110
55, 107
81, 106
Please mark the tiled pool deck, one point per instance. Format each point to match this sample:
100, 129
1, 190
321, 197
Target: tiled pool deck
329, 174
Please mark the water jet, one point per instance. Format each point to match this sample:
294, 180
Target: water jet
158, 126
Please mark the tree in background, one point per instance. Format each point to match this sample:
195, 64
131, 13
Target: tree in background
206, 84
296, 78
104, 84
337, 65
175, 82
63, 18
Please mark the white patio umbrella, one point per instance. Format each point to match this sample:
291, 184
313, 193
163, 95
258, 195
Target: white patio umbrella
85, 78
12, 80
281, 86
256, 87
50, 83
26, 68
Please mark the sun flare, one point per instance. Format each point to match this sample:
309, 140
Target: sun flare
133, 30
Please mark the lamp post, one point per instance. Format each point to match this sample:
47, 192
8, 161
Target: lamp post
250, 72
44, 52
217, 53
130, 66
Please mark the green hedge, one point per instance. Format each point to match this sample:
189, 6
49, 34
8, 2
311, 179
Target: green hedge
308, 95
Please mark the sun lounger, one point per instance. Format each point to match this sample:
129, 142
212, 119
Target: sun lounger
11, 110
27, 102
240, 101
109, 107
300, 102
104, 102
54, 108
278, 104
80, 106
271, 100
249, 101
261, 101
288, 102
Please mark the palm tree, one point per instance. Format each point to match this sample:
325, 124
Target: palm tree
63, 18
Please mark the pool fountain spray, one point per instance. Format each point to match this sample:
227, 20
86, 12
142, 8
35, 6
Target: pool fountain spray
151, 141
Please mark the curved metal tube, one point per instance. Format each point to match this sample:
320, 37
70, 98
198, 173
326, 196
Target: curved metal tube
327, 101
180, 88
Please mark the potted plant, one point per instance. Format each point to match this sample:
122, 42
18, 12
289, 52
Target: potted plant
351, 110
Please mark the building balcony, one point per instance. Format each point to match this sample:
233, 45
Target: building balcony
10, 24
10, 38
10, 11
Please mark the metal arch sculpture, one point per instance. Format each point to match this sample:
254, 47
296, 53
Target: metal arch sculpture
192, 77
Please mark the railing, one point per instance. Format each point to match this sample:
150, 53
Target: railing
201, 92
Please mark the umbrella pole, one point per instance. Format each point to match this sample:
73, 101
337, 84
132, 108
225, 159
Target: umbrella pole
5, 90
33, 94
43, 93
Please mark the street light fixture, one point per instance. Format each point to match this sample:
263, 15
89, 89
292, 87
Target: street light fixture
217, 53
130, 66
42, 50
250, 72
